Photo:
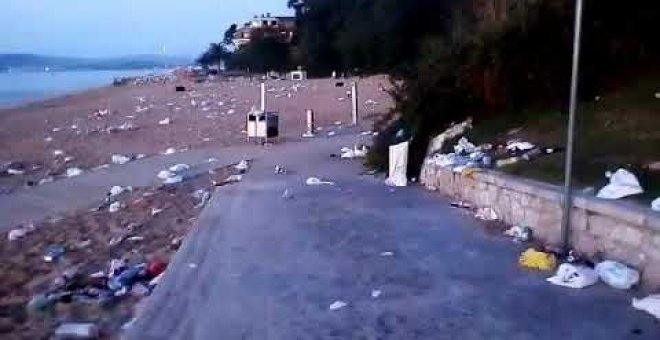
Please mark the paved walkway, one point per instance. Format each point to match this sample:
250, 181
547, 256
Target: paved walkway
262, 267
90, 188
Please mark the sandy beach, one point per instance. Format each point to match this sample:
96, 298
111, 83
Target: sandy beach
44, 139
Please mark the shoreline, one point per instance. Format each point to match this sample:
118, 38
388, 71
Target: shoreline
9, 104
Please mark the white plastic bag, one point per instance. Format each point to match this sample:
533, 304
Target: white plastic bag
622, 184
617, 275
572, 276
655, 205
398, 165
649, 304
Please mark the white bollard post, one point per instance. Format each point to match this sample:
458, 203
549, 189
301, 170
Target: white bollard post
310, 124
354, 99
263, 97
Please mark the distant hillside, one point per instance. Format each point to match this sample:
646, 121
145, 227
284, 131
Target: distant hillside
40, 62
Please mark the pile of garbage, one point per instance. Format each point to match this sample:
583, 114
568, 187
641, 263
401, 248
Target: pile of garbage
468, 155
104, 287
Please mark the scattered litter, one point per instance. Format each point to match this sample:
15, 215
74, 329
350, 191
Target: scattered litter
203, 196
118, 190
14, 172
58, 152
338, 305
617, 275
461, 204
166, 121
279, 170
535, 259
387, 254
574, 276
486, 214
77, 331
192, 265
114, 207
234, 179
212, 160
46, 180
655, 205
156, 211
287, 194
16, 234
622, 184
243, 166
398, 165
519, 234
72, 172
54, 253
649, 304
331, 133
520, 146
375, 293
179, 168
370, 102
175, 179
169, 151
316, 181
120, 159
354, 153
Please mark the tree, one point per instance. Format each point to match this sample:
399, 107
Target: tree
264, 53
229, 35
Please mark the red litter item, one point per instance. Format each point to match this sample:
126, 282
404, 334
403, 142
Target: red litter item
155, 268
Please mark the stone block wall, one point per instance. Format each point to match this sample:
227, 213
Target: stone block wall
620, 231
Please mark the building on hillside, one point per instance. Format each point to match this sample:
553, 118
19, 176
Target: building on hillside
268, 26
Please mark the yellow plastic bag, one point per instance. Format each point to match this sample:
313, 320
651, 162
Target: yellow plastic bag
534, 259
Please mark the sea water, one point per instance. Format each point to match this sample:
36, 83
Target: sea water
19, 87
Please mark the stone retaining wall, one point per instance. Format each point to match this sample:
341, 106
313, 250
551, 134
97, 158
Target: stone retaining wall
621, 231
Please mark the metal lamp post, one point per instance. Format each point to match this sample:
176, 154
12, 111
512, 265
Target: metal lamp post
568, 168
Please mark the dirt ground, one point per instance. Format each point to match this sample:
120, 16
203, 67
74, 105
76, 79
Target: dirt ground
84, 130
147, 236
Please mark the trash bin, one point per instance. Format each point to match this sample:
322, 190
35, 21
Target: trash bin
262, 125
272, 125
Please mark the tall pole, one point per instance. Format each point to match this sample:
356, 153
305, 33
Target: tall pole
570, 140
354, 101
263, 97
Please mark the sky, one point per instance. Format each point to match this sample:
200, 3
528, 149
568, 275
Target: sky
108, 28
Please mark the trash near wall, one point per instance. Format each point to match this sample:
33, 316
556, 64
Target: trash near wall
620, 231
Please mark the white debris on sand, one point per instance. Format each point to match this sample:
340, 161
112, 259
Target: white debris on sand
337, 305
166, 121
311, 181
169, 151
242, 166
376, 293
179, 167
114, 207
486, 214
120, 159
72, 172
355, 152
118, 190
